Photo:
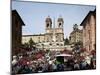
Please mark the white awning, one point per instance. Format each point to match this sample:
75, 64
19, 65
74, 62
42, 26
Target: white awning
64, 55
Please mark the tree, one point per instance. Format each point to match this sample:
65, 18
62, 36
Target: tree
26, 45
31, 42
79, 43
66, 41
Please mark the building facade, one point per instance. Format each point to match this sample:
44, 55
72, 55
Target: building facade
53, 36
54, 33
39, 38
17, 24
89, 31
76, 35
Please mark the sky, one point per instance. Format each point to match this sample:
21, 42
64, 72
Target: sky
34, 14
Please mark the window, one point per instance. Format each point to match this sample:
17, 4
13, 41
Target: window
47, 39
50, 44
61, 44
47, 25
57, 43
59, 24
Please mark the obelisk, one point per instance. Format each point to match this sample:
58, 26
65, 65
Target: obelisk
54, 36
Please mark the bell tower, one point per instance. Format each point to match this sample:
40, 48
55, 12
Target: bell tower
60, 22
75, 27
48, 22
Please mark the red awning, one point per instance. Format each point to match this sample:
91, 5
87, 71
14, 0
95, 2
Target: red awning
93, 52
81, 58
83, 49
38, 56
66, 52
23, 61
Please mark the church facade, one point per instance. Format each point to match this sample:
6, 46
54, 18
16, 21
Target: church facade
53, 38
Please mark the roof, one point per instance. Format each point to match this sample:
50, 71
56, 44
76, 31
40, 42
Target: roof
89, 13
60, 19
48, 19
33, 35
19, 17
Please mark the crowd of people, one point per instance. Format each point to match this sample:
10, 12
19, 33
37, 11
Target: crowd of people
38, 61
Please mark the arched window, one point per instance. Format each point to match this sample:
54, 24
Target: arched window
47, 25
59, 24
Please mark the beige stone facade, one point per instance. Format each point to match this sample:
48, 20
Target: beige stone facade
89, 31
76, 35
53, 36
36, 38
